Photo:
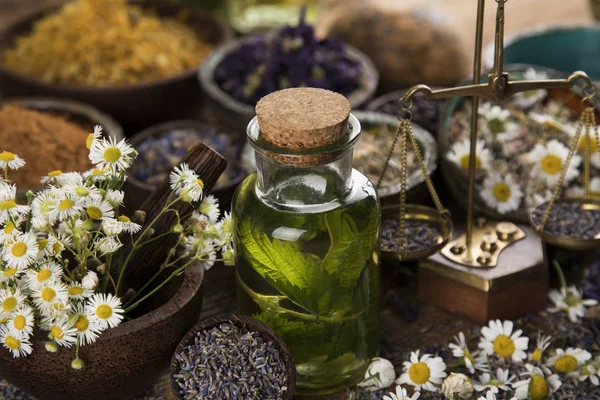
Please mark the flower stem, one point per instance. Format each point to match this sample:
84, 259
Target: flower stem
561, 275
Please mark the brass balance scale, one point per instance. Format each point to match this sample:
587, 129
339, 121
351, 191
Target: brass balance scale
468, 272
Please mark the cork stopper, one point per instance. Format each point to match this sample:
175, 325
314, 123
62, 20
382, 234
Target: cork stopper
303, 118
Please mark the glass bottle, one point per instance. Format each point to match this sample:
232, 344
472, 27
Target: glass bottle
306, 238
252, 16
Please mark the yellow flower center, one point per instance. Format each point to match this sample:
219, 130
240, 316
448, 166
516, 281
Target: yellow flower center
19, 249
12, 343
469, 356
8, 204
56, 248
94, 212
44, 275
551, 164
75, 290
124, 218
538, 388
48, 294
7, 156
9, 228
504, 346
19, 322
583, 144
537, 355
47, 206
82, 323
103, 311
9, 304
66, 204
200, 183
112, 154
98, 171
57, 333
89, 140
81, 191
55, 173
464, 162
419, 373
42, 244
8, 272
502, 192
566, 364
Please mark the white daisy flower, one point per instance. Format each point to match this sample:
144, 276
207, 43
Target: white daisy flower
67, 207
424, 372
59, 309
63, 333
498, 338
496, 122
379, 375
77, 291
225, 228
87, 331
192, 190
210, 207
549, 160
501, 381
180, 175
81, 190
44, 203
48, 247
401, 394
22, 321
570, 300
48, 273
549, 122
94, 136
543, 342
568, 361
457, 385
9, 232
122, 224
10, 301
591, 371
108, 154
16, 345
61, 179
11, 274
461, 350
9, 209
10, 160
115, 198
95, 175
526, 100
502, 194
98, 209
44, 297
460, 154
104, 310
538, 385
90, 280
108, 245
22, 252
579, 191
594, 154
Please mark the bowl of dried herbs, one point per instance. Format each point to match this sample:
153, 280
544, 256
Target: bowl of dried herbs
232, 356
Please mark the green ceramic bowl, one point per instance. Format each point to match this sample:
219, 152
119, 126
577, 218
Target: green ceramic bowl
565, 49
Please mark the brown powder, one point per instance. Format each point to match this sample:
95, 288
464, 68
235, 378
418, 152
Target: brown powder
46, 142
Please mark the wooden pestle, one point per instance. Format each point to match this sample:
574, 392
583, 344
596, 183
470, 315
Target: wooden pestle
146, 261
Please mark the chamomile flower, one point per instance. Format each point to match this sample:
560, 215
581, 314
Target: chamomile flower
98, 209
180, 175
9, 209
501, 194
122, 224
538, 386
548, 161
61, 179
10, 301
115, 197
401, 394
549, 122
225, 228
501, 381
570, 300
21, 252
9, 231
104, 310
92, 137
16, 345
63, 333
44, 203
210, 207
10, 160
568, 361
87, 331
498, 338
108, 245
457, 386
67, 207
528, 99
44, 297
590, 370
496, 122
95, 175
22, 321
77, 291
48, 247
110, 155
460, 155
81, 190
379, 375
543, 342
48, 273
10, 274
460, 350
90, 280
423, 372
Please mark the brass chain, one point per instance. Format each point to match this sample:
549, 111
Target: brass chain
587, 154
389, 157
406, 127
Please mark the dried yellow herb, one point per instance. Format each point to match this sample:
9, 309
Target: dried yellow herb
105, 42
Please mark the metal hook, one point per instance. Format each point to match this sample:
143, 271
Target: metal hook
589, 94
404, 106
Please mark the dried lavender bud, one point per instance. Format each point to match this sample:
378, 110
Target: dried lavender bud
227, 363
568, 219
419, 236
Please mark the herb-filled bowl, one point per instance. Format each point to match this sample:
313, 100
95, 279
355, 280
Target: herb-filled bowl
238, 74
523, 145
121, 74
232, 356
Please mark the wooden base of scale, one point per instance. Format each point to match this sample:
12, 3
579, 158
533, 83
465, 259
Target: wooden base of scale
517, 286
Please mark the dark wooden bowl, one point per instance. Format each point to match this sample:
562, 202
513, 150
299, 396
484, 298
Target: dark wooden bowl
138, 191
246, 323
135, 106
124, 362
